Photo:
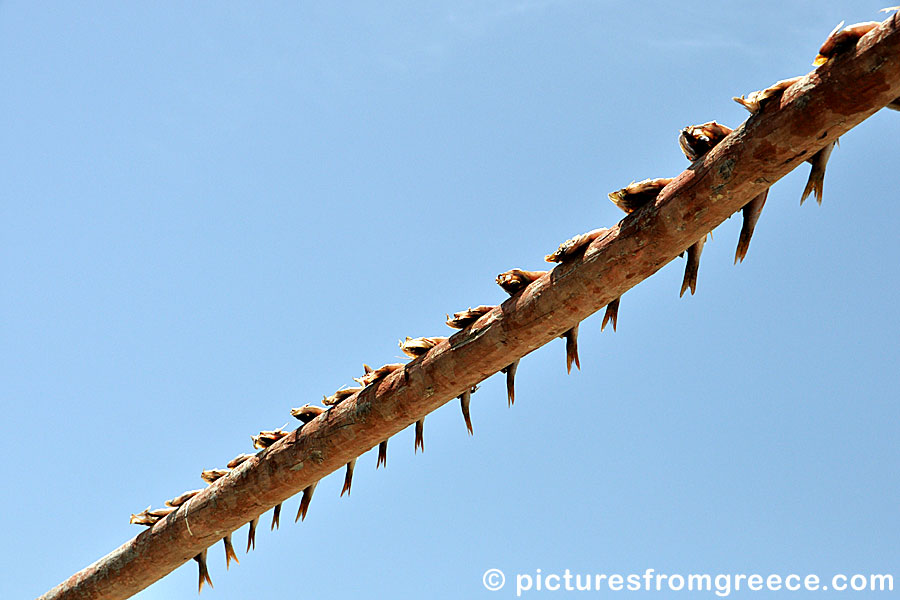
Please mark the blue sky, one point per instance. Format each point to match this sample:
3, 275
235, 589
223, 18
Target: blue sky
214, 213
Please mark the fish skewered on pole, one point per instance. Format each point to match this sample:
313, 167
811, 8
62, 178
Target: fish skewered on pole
569, 251
513, 282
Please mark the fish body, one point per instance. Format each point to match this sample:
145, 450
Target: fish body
416, 347
757, 101
149, 517
463, 319
307, 413
567, 251
516, 280
513, 282
265, 439
212, 475
375, 375
842, 40
697, 140
179, 500
574, 247
239, 459
638, 194
339, 396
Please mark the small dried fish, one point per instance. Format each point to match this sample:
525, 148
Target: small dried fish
307, 413
635, 195
239, 459
149, 517
463, 319
629, 199
181, 499
513, 282
374, 375
213, 475
516, 280
756, 101
697, 140
416, 347
575, 246
569, 250
265, 439
339, 396
842, 40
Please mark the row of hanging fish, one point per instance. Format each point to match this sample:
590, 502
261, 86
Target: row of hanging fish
695, 141
149, 517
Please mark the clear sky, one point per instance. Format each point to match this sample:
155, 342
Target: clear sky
212, 213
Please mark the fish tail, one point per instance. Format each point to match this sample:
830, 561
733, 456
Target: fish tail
816, 181
251, 535
751, 212
382, 454
204, 572
304, 502
464, 401
611, 315
692, 267
572, 349
420, 435
276, 518
348, 477
511, 383
229, 551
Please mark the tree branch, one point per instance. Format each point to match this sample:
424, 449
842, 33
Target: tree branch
819, 108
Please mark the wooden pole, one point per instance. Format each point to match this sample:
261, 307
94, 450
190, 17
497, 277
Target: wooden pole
819, 108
